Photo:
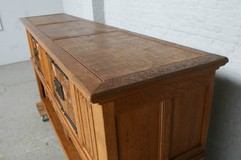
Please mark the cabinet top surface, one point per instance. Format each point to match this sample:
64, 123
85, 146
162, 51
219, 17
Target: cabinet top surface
114, 59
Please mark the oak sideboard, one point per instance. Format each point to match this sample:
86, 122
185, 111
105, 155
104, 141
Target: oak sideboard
112, 94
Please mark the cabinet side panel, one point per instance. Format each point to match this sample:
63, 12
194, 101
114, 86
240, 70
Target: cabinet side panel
137, 123
188, 113
165, 122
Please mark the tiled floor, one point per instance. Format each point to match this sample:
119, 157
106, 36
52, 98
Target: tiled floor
23, 136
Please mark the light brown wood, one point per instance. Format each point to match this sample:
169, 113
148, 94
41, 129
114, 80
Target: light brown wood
186, 117
63, 59
70, 151
41, 109
126, 60
116, 95
118, 49
50, 19
78, 28
110, 130
67, 129
165, 129
99, 126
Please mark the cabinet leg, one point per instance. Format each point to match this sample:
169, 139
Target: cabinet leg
45, 118
42, 112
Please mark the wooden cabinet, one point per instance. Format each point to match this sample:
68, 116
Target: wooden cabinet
116, 95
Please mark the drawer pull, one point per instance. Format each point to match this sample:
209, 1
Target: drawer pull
36, 54
56, 66
59, 103
65, 114
70, 121
50, 59
59, 89
35, 50
60, 70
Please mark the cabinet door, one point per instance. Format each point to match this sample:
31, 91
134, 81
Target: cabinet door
36, 54
61, 92
87, 133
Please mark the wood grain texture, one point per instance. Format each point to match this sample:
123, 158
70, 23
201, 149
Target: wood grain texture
99, 126
147, 100
178, 111
120, 54
119, 95
51, 19
67, 130
69, 149
137, 132
116, 60
72, 68
110, 130
165, 129
58, 122
73, 29
188, 116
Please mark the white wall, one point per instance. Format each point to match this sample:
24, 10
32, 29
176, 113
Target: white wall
209, 25
79, 8
13, 40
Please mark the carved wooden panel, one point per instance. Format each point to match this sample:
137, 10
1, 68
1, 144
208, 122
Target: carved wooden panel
85, 129
36, 54
62, 92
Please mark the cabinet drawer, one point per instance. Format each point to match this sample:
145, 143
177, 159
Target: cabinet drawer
62, 93
36, 55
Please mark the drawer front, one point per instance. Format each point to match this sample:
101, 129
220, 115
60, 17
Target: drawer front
61, 87
36, 55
